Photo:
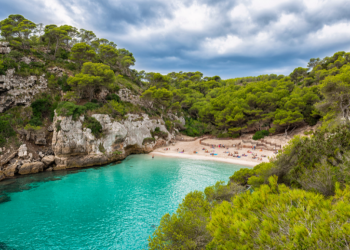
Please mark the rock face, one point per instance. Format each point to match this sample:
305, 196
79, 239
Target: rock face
75, 146
11, 170
127, 96
31, 168
17, 90
3, 48
47, 160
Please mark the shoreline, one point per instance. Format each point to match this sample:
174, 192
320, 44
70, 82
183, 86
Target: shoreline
207, 158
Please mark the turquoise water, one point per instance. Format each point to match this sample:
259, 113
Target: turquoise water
112, 207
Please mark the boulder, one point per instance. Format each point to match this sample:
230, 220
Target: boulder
11, 170
47, 160
22, 151
31, 168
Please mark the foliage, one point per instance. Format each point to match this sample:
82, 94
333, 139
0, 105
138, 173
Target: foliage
281, 218
315, 159
260, 134
94, 125
6, 130
91, 105
159, 133
70, 109
148, 140
30, 127
93, 76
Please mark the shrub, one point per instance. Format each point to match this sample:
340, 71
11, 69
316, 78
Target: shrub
70, 109
40, 108
159, 133
148, 140
91, 106
260, 134
113, 96
241, 176
94, 125
58, 125
32, 128
101, 148
6, 130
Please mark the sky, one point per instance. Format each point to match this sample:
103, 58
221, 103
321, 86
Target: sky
229, 38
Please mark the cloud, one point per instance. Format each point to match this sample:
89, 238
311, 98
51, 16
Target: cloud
230, 38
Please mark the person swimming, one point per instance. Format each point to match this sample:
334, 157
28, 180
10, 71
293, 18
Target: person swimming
152, 156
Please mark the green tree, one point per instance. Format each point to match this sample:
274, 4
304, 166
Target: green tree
93, 76
81, 53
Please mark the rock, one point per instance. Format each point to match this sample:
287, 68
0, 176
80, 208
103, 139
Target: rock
47, 160
17, 90
22, 151
50, 128
31, 168
30, 156
75, 146
57, 71
8, 158
3, 48
49, 170
2, 176
11, 170
41, 154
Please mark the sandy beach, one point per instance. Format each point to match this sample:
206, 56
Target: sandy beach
190, 147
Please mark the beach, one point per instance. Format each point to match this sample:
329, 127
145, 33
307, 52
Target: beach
190, 146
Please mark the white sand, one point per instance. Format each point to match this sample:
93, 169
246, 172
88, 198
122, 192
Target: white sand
189, 147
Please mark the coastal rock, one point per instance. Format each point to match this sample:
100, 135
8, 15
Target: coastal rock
3, 48
11, 170
75, 146
31, 168
22, 151
47, 160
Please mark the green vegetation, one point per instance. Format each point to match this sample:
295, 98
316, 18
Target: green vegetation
70, 109
160, 134
94, 125
148, 140
260, 134
6, 130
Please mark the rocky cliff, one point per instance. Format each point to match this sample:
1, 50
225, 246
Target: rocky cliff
16, 90
73, 145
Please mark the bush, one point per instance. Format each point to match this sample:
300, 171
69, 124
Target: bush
159, 133
94, 125
31, 128
70, 109
6, 130
148, 140
41, 108
91, 106
241, 176
113, 96
260, 134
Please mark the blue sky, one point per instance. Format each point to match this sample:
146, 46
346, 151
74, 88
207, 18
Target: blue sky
229, 38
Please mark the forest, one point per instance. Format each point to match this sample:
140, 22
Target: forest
293, 202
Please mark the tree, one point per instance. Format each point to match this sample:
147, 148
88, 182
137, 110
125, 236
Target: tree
93, 76
287, 118
313, 63
86, 36
81, 53
336, 91
108, 54
298, 74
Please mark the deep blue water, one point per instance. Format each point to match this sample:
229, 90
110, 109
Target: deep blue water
111, 207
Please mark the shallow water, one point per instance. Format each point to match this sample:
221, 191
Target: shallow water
112, 207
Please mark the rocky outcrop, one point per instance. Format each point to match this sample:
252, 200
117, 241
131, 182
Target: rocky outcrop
3, 48
11, 170
2, 175
57, 71
17, 90
31, 168
127, 96
75, 146
30, 59
48, 160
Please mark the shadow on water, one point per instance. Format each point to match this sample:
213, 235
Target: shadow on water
28, 182
3, 246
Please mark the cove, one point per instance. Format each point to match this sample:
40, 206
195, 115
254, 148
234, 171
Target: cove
116, 206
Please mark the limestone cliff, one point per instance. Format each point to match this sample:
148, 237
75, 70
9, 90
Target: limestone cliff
16, 90
76, 146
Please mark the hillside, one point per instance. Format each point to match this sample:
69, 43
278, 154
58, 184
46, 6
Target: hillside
69, 99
